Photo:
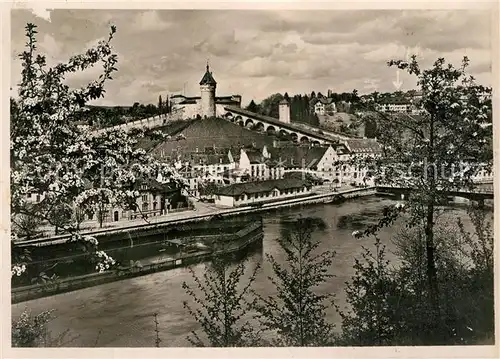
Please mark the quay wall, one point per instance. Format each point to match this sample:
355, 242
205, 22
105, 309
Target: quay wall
151, 228
29, 292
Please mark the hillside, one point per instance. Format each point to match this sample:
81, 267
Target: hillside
200, 134
171, 128
342, 122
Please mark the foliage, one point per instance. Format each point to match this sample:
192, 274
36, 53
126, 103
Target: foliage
270, 105
208, 188
390, 305
297, 313
26, 225
31, 331
221, 305
51, 154
373, 300
253, 107
28, 330
437, 151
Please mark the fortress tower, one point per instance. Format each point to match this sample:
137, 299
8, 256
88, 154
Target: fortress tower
207, 89
284, 111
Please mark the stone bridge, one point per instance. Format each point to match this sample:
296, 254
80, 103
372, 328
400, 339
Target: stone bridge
273, 126
478, 194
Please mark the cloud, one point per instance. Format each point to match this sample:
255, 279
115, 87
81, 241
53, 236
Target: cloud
50, 46
149, 21
257, 53
41, 12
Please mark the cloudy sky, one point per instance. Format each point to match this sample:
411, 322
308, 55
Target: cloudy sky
257, 53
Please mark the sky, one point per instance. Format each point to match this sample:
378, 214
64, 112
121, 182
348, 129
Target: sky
255, 53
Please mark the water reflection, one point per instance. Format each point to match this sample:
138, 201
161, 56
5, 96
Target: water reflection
123, 310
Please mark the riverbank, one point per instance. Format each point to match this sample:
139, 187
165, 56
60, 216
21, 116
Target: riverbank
241, 241
159, 222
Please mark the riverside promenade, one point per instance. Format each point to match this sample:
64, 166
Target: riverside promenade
204, 211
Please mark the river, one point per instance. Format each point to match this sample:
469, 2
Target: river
120, 314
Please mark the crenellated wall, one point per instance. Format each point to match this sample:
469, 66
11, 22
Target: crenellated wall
150, 122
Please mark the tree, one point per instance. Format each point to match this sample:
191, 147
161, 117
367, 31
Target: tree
253, 107
297, 313
208, 188
27, 224
435, 151
372, 297
221, 306
269, 106
69, 163
160, 105
451, 132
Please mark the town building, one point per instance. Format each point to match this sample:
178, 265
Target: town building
394, 105
206, 105
323, 106
249, 193
155, 198
352, 170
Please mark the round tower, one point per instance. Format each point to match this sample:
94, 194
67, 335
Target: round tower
207, 89
284, 111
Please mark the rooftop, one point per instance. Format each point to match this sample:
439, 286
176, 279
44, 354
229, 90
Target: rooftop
208, 78
365, 145
200, 134
238, 189
297, 156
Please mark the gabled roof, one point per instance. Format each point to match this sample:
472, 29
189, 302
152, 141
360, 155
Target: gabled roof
208, 78
238, 189
364, 145
323, 100
254, 156
297, 156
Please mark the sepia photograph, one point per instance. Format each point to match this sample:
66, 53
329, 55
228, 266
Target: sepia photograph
185, 178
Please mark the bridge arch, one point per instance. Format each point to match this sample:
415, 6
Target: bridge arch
283, 133
229, 116
249, 123
271, 130
304, 139
239, 120
259, 126
294, 137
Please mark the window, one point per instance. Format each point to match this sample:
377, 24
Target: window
144, 197
145, 206
38, 198
154, 206
28, 195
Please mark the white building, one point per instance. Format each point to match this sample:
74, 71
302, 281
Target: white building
248, 193
323, 106
395, 105
205, 105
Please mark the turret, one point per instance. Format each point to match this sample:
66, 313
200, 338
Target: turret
207, 89
284, 111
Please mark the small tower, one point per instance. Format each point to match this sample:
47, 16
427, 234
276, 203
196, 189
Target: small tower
207, 88
284, 111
